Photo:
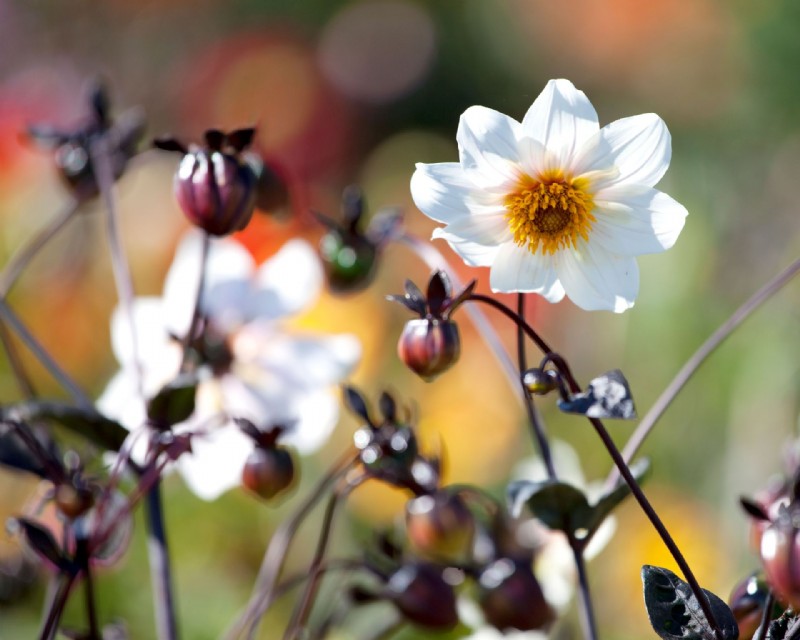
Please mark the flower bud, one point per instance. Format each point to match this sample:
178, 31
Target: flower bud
268, 471
511, 597
349, 260
780, 556
429, 347
440, 527
747, 601
540, 381
215, 190
423, 596
73, 501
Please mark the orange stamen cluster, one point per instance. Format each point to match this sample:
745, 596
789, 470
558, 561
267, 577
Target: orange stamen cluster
549, 215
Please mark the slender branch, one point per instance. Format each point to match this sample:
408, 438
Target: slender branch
529, 330
706, 349
158, 552
766, 617
303, 609
275, 555
195, 319
588, 621
59, 602
91, 609
10, 318
537, 426
20, 260
101, 163
655, 520
435, 260
17, 367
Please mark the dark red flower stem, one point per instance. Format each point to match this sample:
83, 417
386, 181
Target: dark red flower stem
587, 617
537, 428
645, 505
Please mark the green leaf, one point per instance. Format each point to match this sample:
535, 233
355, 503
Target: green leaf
675, 613
557, 504
88, 423
174, 403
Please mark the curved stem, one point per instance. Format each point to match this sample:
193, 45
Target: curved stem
644, 503
275, 554
766, 617
537, 426
435, 260
529, 330
658, 525
20, 260
706, 349
303, 609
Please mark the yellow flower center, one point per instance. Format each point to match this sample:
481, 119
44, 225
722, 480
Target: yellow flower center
550, 214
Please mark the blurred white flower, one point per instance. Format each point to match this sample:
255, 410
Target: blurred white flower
555, 563
554, 204
251, 366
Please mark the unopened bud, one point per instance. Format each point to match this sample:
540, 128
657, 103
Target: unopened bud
215, 190
511, 597
540, 382
423, 596
440, 527
429, 347
268, 471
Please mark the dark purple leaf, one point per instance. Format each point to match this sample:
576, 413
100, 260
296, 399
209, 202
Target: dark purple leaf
240, 139
354, 401
608, 396
170, 144
352, 206
388, 407
754, 510
412, 304
214, 139
40, 540
439, 291
675, 613
462, 297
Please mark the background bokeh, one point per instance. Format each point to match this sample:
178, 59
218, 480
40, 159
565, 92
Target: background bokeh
357, 92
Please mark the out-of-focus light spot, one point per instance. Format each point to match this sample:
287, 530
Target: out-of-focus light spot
378, 51
274, 88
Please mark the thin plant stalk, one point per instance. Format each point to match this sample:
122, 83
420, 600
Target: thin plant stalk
537, 426
529, 331
195, 319
50, 627
24, 382
587, 617
22, 258
158, 551
435, 260
275, 555
698, 358
586, 611
101, 164
300, 615
158, 548
766, 617
11, 319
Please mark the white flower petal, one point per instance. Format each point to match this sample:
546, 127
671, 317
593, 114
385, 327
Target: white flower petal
153, 345
441, 191
119, 400
301, 362
472, 253
489, 229
639, 148
636, 220
216, 461
229, 269
517, 269
597, 280
562, 119
285, 284
316, 415
487, 144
